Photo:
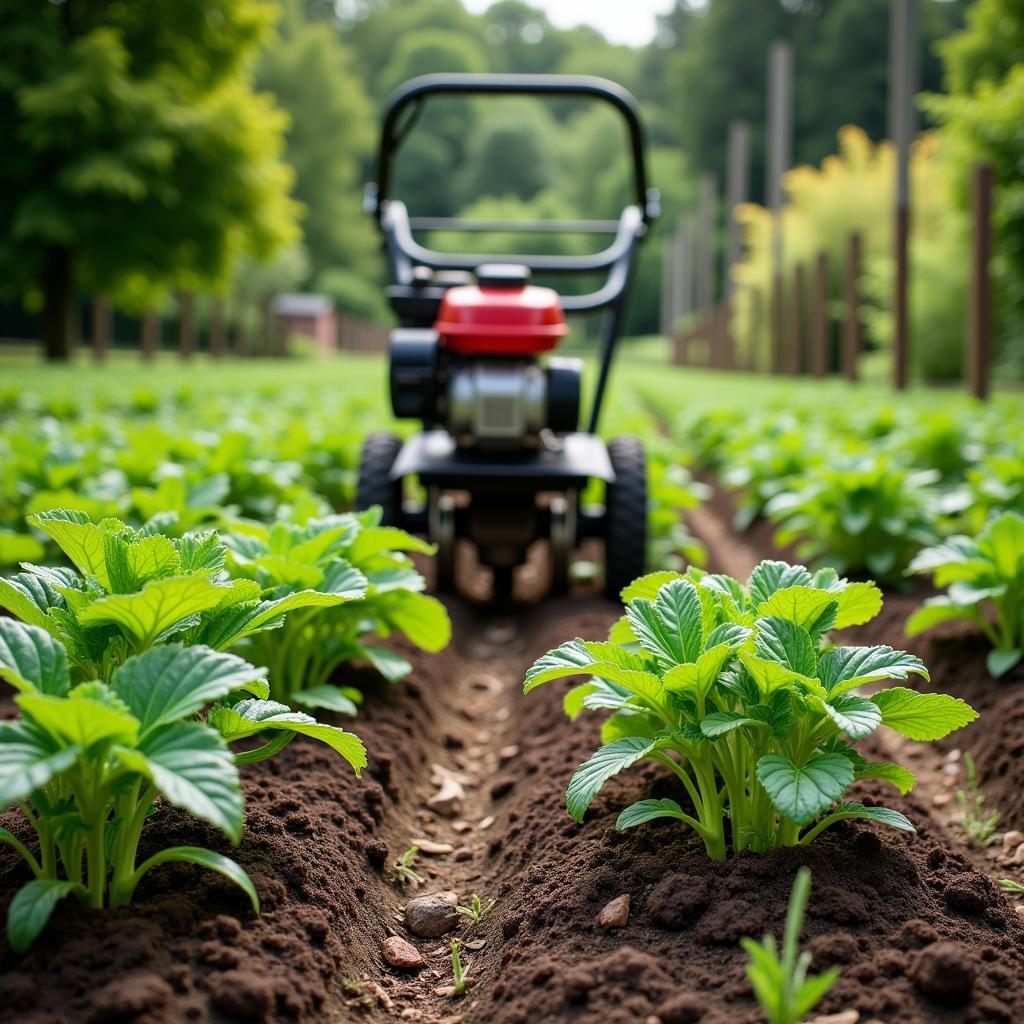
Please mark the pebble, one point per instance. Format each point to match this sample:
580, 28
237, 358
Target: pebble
485, 822
942, 799
507, 753
616, 913
432, 847
843, 1017
953, 756
432, 915
401, 954
460, 825
1019, 908
463, 853
951, 768
448, 799
944, 973
1012, 839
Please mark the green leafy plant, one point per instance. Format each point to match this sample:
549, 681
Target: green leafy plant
979, 826
460, 971
404, 867
784, 990
477, 909
862, 513
361, 584
984, 577
736, 692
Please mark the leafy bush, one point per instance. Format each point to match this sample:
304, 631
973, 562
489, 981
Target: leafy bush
115, 662
861, 514
736, 692
984, 576
360, 584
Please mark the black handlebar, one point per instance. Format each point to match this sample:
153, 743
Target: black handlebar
415, 92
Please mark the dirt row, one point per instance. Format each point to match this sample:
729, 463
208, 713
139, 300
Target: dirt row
460, 759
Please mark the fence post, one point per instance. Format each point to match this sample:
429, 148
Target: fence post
150, 334
852, 330
754, 337
778, 324
796, 351
979, 315
217, 327
819, 317
102, 317
186, 324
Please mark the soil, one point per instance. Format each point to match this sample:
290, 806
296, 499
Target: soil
920, 934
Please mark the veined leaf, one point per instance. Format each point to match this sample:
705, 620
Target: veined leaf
329, 697
31, 908
896, 774
718, 723
882, 815
29, 759
31, 659
249, 717
858, 603
29, 598
343, 580
194, 769
922, 716
159, 605
1002, 541
842, 668
79, 721
77, 537
572, 702
423, 619
386, 538
393, 667
856, 716
171, 683
958, 550
699, 677
802, 606
622, 632
647, 810
803, 793
680, 607
648, 586
771, 576
788, 644
207, 859
571, 659
609, 760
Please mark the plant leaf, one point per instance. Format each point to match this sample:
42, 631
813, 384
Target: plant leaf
194, 769
423, 619
207, 859
842, 668
771, 576
607, 761
31, 908
29, 759
857, 603
899, 776
788, 644
570, 659
327, 696
167, 684
922, 716
718, 723
79, 720
1001, 660
375, 539
29, 597
803, 793
883, 815
392, 666
856, 716
647, 810
648, 586
77, 537
31, 659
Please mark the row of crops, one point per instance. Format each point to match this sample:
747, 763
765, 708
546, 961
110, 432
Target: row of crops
187, 592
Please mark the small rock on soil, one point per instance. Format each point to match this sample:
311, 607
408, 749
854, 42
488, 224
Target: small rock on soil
402, 954
432, 915
615, 914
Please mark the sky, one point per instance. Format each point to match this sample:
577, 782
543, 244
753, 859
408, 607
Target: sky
621, 21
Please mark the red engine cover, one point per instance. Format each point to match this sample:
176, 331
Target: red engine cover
478, 320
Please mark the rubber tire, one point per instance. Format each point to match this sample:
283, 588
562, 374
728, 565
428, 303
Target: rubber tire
625, 546
374, 486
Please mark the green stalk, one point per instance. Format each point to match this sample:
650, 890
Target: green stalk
121, 885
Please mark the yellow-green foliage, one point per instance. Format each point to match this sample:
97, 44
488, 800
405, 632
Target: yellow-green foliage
853, 191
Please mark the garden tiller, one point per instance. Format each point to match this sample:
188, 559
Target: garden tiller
501, 459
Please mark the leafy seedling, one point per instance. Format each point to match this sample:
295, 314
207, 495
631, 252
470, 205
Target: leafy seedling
781, 984
460, 971
979, 826
1011, 886
737, 691
477, 910
984, 578
403, 868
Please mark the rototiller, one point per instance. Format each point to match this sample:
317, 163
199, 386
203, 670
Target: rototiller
501, 459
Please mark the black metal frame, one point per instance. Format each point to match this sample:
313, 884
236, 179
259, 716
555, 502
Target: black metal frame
416, 300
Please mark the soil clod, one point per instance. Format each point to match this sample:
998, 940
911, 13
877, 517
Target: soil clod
944, 973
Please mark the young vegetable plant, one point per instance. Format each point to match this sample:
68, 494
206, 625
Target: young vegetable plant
984, 578
781, 984
460, 971
735, 692
365, 586
978, 825
861, 513
477, 910
404, 868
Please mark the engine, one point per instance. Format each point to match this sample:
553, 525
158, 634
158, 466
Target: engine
478, 372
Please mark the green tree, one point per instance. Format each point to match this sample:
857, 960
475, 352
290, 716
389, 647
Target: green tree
138, 158
332, 131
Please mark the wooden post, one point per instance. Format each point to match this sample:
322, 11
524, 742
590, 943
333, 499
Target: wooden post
737, 191
186, 325
756, 320
796, 341
150, 334
903, 51
777, 325
820, 361
852, 328
102, 320
978, 351
217, 327
706, 205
